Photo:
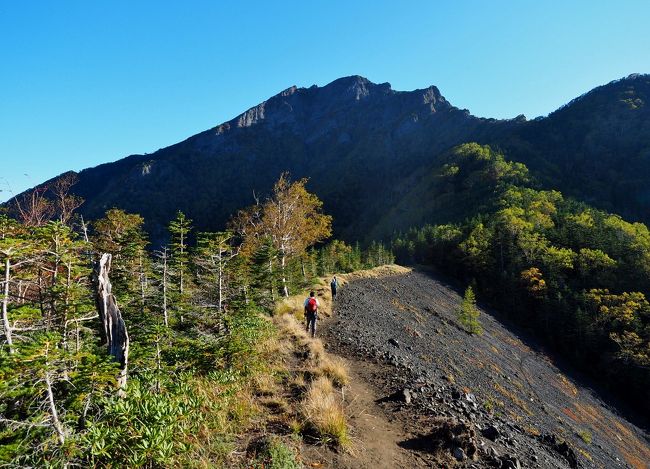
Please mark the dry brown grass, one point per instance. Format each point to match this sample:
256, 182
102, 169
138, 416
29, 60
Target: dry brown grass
321, 287
323, 411
290, 327
276, 405
336, 370
264, 384
316, 351
298, 380
512, 397
408, 308
569, 413
532, 430
585, 454
567, 386
377, 272
292, 305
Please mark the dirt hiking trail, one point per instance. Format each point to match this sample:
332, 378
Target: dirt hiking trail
375, 437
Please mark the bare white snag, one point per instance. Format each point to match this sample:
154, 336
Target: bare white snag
114, 329
5, 303
56, 423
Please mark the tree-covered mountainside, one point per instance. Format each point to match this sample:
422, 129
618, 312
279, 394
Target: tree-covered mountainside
364, 145
532, 222
577, 276
595, 148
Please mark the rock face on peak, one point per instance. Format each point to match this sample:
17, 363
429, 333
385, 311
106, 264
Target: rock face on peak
352, 137
363, 144
305, 106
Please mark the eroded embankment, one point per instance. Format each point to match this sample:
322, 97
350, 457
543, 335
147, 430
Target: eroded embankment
511, 403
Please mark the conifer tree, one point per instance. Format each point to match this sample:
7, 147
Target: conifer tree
179, 230
121, 234
264, 272
468, 313
212, 256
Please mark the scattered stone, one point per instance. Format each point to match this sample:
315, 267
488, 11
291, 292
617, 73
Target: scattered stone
406, 396
491, 433
562, 447
454, 434
510, 462
459, 454
394, 342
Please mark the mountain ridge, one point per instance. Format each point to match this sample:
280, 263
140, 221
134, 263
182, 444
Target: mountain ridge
353, 133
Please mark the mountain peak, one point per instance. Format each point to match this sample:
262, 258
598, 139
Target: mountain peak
356, 87
298, 106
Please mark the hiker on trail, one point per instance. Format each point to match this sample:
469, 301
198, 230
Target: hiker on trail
334, 284
311, 313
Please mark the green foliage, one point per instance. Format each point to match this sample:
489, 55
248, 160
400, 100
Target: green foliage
577, 275
179, 230
468, 313
276, 455
338, 256
147, 428
121, 234
187, 371
585, 435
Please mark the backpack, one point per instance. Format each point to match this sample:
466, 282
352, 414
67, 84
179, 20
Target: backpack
312, 306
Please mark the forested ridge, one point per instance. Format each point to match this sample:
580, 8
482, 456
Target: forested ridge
576, 276
176, 389
363, 145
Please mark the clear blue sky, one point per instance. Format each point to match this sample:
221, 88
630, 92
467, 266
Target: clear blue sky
85, 82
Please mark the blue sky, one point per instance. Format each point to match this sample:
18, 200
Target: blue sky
82, 83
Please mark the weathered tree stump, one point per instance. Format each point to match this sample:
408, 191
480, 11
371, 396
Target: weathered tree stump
114, 333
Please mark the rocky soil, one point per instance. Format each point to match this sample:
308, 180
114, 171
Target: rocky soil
466, 400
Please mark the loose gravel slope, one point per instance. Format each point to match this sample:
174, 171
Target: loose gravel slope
474, 401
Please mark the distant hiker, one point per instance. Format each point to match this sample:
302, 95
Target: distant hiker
334, 284
311, 313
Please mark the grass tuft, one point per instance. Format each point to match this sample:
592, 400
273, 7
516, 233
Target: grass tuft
323, 412
335, 370
585, 435
275, 454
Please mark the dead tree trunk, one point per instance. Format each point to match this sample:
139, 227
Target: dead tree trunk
283, 264
114, 329
5, 302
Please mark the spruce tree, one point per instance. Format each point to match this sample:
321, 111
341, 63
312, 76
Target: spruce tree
468, 313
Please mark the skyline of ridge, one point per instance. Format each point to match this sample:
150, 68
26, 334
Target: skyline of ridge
7, 192
87, 83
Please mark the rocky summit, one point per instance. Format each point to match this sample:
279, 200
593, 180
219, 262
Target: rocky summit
364, 145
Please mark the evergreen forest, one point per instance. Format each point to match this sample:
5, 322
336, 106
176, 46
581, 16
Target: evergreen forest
164, 378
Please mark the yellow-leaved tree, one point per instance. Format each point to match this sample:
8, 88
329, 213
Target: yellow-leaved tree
291, 218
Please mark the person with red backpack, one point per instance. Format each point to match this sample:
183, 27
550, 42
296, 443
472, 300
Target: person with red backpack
311, 313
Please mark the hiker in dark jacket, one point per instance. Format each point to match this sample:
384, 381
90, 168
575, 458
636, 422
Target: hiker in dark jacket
311, 313
334, 284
